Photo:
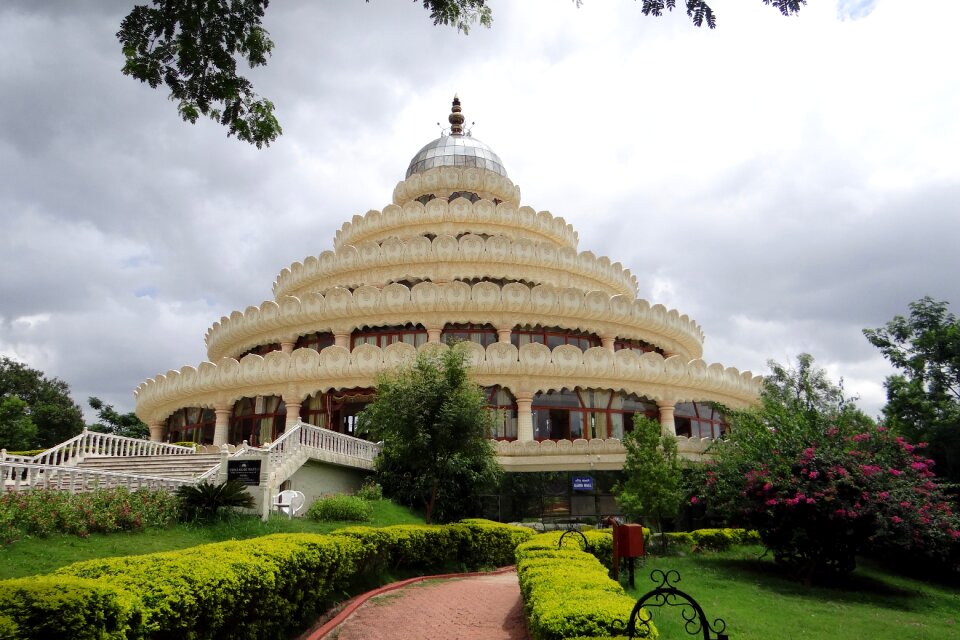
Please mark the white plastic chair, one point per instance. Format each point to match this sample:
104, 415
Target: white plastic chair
289, 502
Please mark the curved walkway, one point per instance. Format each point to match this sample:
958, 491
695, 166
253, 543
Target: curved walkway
470, 607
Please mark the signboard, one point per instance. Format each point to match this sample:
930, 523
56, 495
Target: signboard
582, 483
246, 471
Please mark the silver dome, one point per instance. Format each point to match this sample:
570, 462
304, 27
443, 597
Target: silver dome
456, 151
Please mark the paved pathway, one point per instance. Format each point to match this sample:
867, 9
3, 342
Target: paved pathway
471, 608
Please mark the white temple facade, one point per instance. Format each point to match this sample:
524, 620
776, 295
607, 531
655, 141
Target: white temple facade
565, 349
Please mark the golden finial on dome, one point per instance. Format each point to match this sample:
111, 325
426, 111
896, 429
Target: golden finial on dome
456, 118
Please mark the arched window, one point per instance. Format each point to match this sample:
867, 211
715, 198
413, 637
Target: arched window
587, 413
483, 334
385, 336
699, 420
504, 410
552, 337
640, 346
257, 420
192, 424
315, 410
261, 350
316, 341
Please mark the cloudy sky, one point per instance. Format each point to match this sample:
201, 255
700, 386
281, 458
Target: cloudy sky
784, 181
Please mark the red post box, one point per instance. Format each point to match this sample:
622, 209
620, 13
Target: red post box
630, 542
627, 543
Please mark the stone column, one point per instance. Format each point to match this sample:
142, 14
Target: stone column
503, 335
342, 340
524, 416
607, 342
221, 429
433, 334
287, 347
667, 425
293, 411
158, 431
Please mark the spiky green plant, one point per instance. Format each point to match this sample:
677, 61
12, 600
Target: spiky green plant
206, 501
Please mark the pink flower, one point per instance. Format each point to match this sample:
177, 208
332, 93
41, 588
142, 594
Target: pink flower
896, 519
954, 534
808, 453
918, 466
883, 495
896, 472
771, 502
860, 437
811, 501
841, 512
694, 500
813, 475
767, 486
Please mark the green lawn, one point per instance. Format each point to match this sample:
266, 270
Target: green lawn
33, 556
758, 604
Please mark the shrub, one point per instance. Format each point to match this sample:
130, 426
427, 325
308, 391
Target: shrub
370, 490
341, 509
268, 587
264, 587
822, 484
205, 501
42, 512
567, 593
187, 444
66, 607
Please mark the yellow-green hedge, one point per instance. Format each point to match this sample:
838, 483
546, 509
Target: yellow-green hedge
568, 593
49, 607
713, 539
268, 587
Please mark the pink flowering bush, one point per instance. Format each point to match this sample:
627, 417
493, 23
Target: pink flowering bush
822, 484
43, 512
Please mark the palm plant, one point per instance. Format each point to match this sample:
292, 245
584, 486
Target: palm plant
206, 501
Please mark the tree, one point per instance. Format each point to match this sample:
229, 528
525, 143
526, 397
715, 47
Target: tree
17, 431
126, 424
822, 483
55, 415
435, 425
652, 470
193, 47
923, 401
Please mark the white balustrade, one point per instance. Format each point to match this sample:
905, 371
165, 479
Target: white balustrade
16, 476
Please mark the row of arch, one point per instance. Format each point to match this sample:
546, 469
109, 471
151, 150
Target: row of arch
507, 217
445, 179
342, 310
373, 261
533, 367
565, 414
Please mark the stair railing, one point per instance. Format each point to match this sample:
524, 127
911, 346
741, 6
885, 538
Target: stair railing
18, 476
89, 443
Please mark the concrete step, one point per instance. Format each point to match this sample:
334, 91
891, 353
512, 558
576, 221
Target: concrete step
188, 466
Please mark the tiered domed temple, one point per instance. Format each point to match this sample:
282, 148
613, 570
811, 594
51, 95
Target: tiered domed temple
558, 338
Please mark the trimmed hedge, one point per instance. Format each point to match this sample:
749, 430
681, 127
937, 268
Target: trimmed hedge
268, 587
714, 539
567, 592
54, 607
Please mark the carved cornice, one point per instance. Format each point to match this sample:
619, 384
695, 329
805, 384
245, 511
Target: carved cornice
532, 368
447, 258
433, 304
455, 218
443, 181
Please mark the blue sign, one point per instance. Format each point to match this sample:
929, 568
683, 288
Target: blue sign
582, 483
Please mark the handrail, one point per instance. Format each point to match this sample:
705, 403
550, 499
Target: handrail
214, 470
105, 444
307, 436
14, 476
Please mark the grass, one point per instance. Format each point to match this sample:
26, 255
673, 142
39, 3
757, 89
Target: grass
757, 603
32, 556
